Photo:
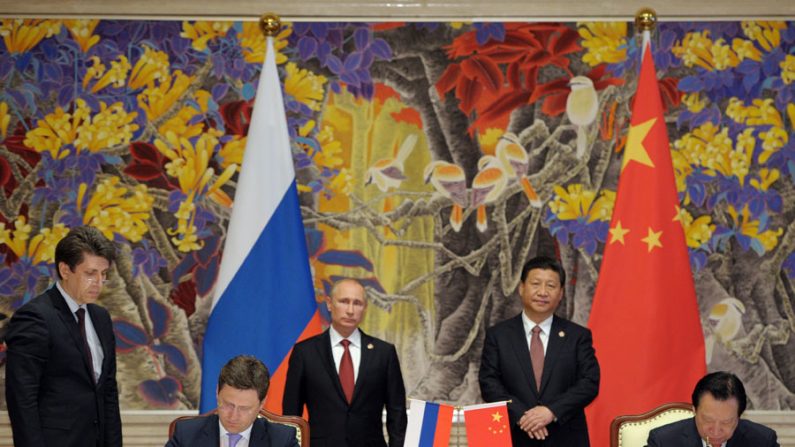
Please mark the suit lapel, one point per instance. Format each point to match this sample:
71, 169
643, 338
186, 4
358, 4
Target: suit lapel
259, 434
365, 360
522, 351
690, 437
554, 344
327, 359
211, 433
69, 322
738, 437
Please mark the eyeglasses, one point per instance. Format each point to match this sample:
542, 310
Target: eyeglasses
94, 278
231, 408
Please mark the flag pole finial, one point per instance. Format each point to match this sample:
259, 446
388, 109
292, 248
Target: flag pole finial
645, 19
270, 24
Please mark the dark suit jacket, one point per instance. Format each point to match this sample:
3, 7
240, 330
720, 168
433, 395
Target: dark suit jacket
312, 379
50, 391
204, 432
685, 434
569, 382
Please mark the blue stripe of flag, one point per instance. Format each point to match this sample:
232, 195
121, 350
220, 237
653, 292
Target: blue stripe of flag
264, 308
429, 420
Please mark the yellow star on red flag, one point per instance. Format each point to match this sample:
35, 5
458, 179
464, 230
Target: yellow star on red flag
635, 150
653, 239
617, 233
645, 299
487, 424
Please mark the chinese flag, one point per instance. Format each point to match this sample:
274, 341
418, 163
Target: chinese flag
645, 320
487, 425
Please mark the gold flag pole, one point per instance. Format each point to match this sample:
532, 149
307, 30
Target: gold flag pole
645, 19
645, 22
270, 24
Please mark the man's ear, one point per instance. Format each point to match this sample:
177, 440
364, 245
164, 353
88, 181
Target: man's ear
328, 303
63, 269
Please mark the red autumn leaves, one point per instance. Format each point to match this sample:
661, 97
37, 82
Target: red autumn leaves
532, 63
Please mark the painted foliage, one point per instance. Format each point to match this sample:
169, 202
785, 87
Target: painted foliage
433, 159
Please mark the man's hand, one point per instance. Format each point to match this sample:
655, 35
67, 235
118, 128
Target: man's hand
539, 434
535, 420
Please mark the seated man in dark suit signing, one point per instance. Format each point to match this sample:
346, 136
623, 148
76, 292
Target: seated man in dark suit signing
719, 400
242, 386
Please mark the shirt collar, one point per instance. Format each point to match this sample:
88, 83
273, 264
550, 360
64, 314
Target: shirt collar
73, 306
355, 337
245, 433
546, 325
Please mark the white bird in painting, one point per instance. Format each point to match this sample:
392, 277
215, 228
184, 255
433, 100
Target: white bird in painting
582, 106
726, 319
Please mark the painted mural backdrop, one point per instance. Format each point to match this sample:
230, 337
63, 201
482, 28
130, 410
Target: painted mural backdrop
433, 160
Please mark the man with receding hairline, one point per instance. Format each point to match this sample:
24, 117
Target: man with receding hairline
719, 400
346, 378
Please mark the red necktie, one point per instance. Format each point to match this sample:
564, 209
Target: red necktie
81, 321
346, 371
537, 355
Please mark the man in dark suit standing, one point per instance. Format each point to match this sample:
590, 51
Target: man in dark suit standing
543, 364
719, 400
61, 366
242, 387
346, 378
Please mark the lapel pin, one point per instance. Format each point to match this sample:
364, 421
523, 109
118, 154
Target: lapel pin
369, 346
561, 334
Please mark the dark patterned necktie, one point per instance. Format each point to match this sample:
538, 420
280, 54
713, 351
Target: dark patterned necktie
81, 321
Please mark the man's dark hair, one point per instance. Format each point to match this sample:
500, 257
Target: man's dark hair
245, 372
79, 241
722, 386
545, 263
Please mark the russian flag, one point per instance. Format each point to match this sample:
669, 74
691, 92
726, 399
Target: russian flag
429, 424
264, 299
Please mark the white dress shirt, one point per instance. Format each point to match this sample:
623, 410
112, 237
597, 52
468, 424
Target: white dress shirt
355, 348
704, 441
546, 327
245, 436
97, 355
